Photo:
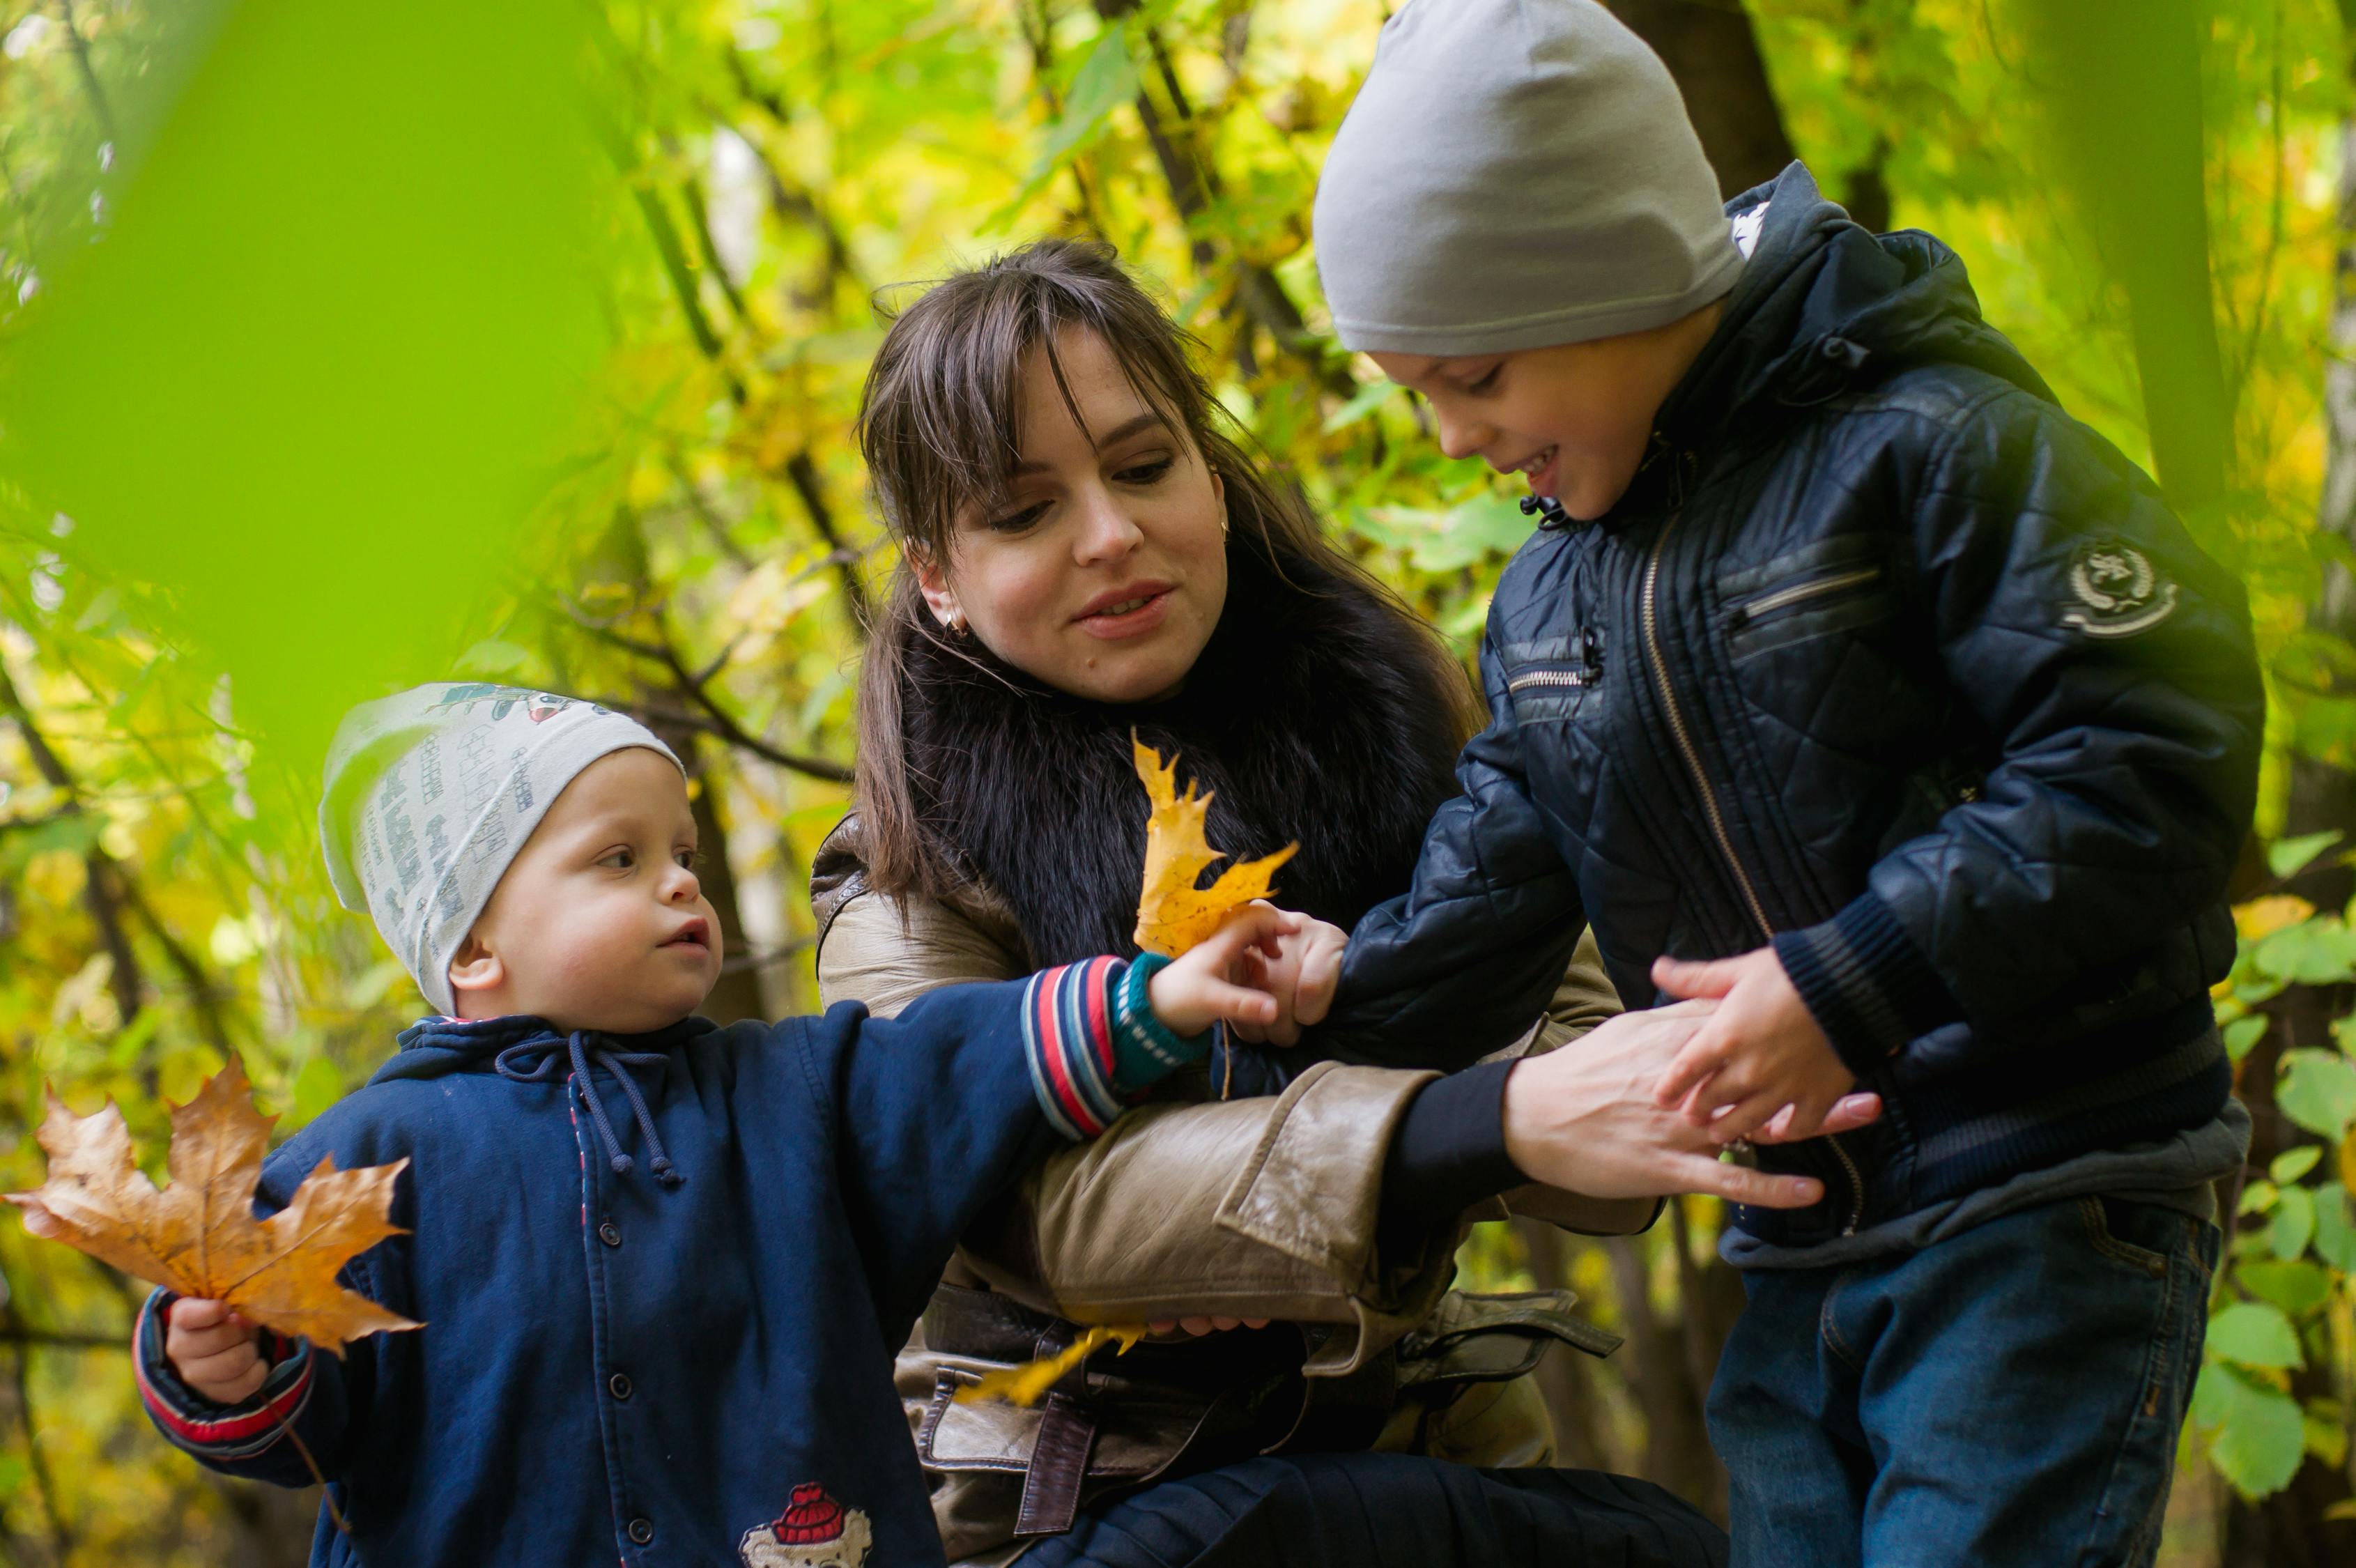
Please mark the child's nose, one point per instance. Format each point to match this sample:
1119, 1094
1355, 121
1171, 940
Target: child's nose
1462, 437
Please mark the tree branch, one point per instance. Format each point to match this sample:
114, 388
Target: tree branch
810, 487
99, 880
81, 47
714, 719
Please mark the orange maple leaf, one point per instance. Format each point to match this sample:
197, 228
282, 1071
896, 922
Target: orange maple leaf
198, 1235
1172, 913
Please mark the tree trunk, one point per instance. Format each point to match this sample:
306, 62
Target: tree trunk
1710, 49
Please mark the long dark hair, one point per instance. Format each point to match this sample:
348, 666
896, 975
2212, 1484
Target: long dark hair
939, 428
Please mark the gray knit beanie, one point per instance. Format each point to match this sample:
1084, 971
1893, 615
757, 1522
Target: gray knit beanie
431, 792
1514, 174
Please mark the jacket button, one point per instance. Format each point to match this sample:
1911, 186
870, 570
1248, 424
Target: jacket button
620, 1383
610, 1233
642, 1530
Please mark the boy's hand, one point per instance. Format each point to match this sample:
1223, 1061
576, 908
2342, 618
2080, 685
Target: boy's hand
1301, 977
1584, 1119
1759, 1057
1222, 978
215, 1352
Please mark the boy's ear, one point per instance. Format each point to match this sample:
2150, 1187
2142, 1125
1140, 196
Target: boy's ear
934, 584
475, 967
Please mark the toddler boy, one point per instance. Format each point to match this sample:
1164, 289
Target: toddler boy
1849, 664
662, 1266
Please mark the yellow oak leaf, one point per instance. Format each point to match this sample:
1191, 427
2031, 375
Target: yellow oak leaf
2262, 917
1025, 1385
198, 1235
1172, 913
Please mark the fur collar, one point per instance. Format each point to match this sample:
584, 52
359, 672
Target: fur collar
1308, 714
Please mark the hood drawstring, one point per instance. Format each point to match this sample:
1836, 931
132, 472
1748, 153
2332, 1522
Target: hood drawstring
616, 1064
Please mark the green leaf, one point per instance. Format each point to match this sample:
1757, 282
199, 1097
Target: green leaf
317, 1086
2288, 857
2244, 1033
2335, 1228
1368, 398
2320, 951
1106, 80
2318, 1090
2254, 1333
1486, 525
493, 657
2297, 1288
2258, 1197
2294, 1222
2258, 1434
2327, 1432
2293, 1163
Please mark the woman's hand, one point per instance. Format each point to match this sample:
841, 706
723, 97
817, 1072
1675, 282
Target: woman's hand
1584, 1118
1198, 1326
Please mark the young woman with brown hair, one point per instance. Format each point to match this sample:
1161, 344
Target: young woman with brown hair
1089, 555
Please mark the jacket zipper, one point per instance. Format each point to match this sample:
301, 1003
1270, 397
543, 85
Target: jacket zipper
1651, 621
1801, 591
1856, 1185
1549, 678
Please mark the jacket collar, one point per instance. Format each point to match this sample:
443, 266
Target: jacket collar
437, 1048
1823, 306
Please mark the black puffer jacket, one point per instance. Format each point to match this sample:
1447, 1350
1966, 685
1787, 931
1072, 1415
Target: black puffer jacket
1887, 659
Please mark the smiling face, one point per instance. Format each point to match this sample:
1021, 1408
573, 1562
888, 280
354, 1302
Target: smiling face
1102, 568
599, 922
1573, 418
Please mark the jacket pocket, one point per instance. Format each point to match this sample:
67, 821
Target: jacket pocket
1556, 677
1836, 584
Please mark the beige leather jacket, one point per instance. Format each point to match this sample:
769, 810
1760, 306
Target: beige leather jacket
1188, 1206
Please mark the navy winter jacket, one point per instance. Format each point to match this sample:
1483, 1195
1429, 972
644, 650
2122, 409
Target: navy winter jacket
687, 1362
1885, 660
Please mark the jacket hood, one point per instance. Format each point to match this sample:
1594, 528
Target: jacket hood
437, 1048
1824, 305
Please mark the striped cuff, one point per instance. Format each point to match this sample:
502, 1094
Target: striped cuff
204, 1428
1867, 986
1067, 1039
1090, 1036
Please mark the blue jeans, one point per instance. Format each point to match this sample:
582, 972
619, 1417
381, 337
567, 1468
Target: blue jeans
2009, 1395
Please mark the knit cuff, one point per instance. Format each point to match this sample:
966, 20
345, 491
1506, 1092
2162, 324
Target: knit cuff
205, 1428
1092, 1039
1145, 1051
1867, 986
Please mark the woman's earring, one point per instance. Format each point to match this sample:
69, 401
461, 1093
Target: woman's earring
1223, 522
956, 623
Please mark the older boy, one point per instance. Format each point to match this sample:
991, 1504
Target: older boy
1849, 664
661, 1266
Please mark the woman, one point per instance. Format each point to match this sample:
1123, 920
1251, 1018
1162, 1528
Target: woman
1087, 555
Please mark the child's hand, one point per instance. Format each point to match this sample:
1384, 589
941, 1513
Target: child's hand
1301, 977
1761, 1055
1222, 978
215, 1352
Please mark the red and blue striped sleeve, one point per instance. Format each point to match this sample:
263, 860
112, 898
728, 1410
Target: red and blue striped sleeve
244, 1439
1092, 1040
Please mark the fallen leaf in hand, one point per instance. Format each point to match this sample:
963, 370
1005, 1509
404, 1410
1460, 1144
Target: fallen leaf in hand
199, 1236
1172, 914
1025, 1385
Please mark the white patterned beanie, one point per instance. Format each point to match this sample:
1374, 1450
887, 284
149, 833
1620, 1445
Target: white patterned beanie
431, 793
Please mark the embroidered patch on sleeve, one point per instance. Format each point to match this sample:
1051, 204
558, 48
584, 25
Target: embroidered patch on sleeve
814, 1531
2116, 591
